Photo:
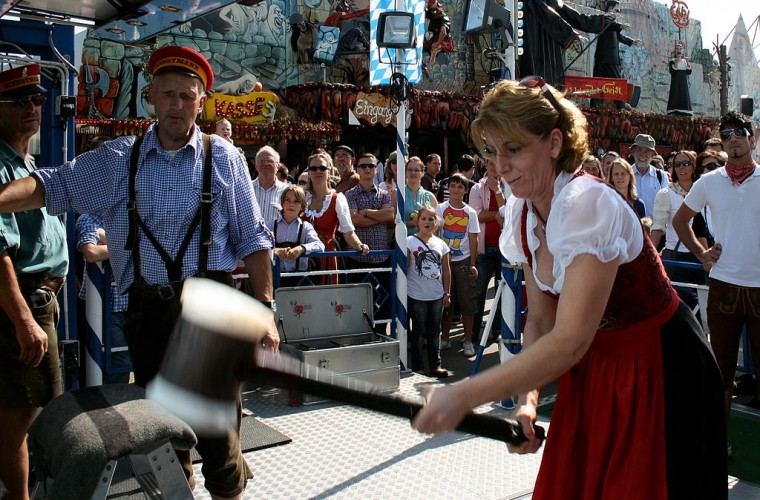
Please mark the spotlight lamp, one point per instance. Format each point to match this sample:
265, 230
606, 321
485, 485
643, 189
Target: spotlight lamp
488, 16
395, 30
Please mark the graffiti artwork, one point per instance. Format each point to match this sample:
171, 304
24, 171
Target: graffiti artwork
328, 44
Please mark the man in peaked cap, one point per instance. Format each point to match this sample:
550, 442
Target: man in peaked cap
344, 157
21, 82
149, 191
30, 277
649, 180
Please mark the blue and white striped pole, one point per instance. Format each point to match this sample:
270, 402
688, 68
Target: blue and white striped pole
402, 321
383, 62
511, 311
94, 307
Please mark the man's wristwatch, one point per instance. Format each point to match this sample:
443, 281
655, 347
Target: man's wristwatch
271, 304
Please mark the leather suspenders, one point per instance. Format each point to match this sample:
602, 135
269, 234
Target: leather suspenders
202, 217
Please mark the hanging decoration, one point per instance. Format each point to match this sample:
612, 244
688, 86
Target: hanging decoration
607, 128
291, 129
318, 112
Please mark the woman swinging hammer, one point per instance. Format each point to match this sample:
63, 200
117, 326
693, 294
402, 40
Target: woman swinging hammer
639, 407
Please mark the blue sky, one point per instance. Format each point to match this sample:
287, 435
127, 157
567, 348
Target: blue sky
719, 18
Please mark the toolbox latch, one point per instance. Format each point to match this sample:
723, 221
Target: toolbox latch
324, 363
385, 357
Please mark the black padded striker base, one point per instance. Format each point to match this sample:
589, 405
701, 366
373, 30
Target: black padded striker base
79, 432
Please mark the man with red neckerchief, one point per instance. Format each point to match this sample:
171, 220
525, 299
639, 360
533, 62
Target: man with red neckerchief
732, 193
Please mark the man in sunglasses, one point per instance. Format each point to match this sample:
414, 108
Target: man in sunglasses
732, 193
371, 211
30, 276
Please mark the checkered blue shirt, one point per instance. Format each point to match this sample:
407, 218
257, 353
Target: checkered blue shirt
87, 232
168, 188
376, 235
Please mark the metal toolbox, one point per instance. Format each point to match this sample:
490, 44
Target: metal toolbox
330, 327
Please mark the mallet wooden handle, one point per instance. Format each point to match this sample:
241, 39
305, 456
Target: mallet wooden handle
285, 372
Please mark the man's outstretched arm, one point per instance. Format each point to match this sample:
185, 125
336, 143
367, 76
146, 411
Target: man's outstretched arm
22, 194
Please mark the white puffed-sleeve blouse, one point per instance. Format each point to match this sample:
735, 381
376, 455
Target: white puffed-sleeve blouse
586, 217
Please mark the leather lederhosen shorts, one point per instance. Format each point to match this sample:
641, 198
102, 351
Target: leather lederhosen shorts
25, 386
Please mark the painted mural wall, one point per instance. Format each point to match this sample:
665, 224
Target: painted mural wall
283, 43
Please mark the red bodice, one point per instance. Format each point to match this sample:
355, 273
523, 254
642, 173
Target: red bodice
641, 288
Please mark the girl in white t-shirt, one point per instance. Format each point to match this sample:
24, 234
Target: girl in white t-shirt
429, 287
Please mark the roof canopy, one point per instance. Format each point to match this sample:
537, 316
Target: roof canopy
119, 20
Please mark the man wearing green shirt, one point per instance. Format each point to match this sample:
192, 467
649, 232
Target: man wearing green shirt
33, 262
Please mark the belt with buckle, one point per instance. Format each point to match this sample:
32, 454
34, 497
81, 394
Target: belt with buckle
171, 290
35, 281
164, 292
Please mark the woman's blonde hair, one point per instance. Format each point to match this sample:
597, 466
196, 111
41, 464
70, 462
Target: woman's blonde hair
632, 195
331, 170
589, 158
520, 114
415, 159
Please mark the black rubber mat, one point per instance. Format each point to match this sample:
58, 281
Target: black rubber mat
255, 435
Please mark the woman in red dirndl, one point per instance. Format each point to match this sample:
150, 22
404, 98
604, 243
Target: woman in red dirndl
638, 413
328, 211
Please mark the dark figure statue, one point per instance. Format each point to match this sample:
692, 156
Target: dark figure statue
547, 35
607, 55
679, 100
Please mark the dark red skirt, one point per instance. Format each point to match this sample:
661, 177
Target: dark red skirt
640, 417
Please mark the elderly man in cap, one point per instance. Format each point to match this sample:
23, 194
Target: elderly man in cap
30, 276
175, 203
649, 180
343, 157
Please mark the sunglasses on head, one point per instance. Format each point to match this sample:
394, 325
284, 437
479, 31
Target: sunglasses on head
321, 168
21, 102
738, 132
537, 82
365, 165
684, 163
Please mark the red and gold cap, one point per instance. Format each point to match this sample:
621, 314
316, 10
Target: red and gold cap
186, 60
21, 81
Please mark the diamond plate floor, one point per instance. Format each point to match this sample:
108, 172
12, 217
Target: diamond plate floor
339, 451
342, 452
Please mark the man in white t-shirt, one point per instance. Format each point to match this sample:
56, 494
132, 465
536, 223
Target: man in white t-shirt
460, 232
732, 193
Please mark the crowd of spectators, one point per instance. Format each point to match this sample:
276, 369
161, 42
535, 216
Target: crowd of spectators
352, 210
